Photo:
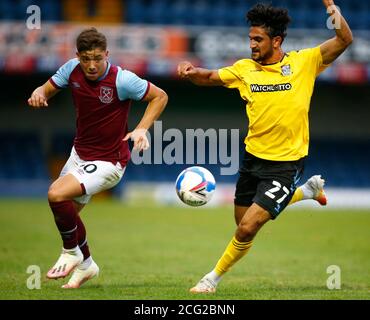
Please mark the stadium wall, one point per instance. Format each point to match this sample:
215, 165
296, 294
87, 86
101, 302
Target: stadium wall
337, 111
339, 121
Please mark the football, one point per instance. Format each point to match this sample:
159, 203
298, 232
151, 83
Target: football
195, 186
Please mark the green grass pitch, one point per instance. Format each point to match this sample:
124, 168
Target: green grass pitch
147, 252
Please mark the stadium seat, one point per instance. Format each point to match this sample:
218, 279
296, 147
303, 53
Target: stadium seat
305, 14
236, 15
218, 13
157, 12
135, 11
51, 10
199, 13
179, 13
6, 10
14, 165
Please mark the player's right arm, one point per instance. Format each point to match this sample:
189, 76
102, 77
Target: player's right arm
57, 82
333, 48
199, 76
41, 95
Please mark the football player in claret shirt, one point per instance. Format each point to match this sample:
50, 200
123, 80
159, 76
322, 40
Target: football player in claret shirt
102, 95
277, 87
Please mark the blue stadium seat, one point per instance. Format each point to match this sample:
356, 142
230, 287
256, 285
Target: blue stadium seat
200, 14
236, 15
51, 10
30, 163
6, 10
317, 18
305, 14
61, 144
361, 19
135, 11
180, 12
218, 13
157, 12
17, 9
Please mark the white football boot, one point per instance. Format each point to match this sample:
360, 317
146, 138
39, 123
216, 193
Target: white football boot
205, 285
316, 185
67, 262
80, 276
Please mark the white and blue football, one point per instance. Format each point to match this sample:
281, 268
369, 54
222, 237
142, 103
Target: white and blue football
195, 186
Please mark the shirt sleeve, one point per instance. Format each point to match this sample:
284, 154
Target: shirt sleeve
230, 76
61, 77
313, 59
130, 86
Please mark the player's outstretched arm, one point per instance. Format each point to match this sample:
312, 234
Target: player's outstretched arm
333, 48
157, 99
198, 76
41, 95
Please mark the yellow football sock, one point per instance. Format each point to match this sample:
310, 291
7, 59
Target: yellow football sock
234, 251
297, 196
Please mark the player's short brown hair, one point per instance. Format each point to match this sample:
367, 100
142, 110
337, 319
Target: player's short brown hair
90, 39
274, 20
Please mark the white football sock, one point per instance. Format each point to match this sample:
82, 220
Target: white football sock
307, 191
85, 264
72, 251
214, 277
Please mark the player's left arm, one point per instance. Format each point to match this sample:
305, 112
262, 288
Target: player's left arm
333, 48
42, 94
157, 101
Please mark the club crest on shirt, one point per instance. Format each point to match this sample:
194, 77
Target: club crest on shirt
285, 70
106, 94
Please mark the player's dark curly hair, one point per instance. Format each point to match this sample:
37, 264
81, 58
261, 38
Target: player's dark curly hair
274, 20
90, 39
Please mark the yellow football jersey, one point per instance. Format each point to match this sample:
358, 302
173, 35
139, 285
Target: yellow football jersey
278, 101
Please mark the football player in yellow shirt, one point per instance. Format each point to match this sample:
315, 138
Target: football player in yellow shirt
277, 87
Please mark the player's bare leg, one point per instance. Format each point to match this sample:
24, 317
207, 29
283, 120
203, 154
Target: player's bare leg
252, 220
312, 189
209, 282
239, 213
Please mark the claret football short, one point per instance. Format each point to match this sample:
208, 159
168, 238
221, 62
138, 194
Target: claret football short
270, 184
95, 176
